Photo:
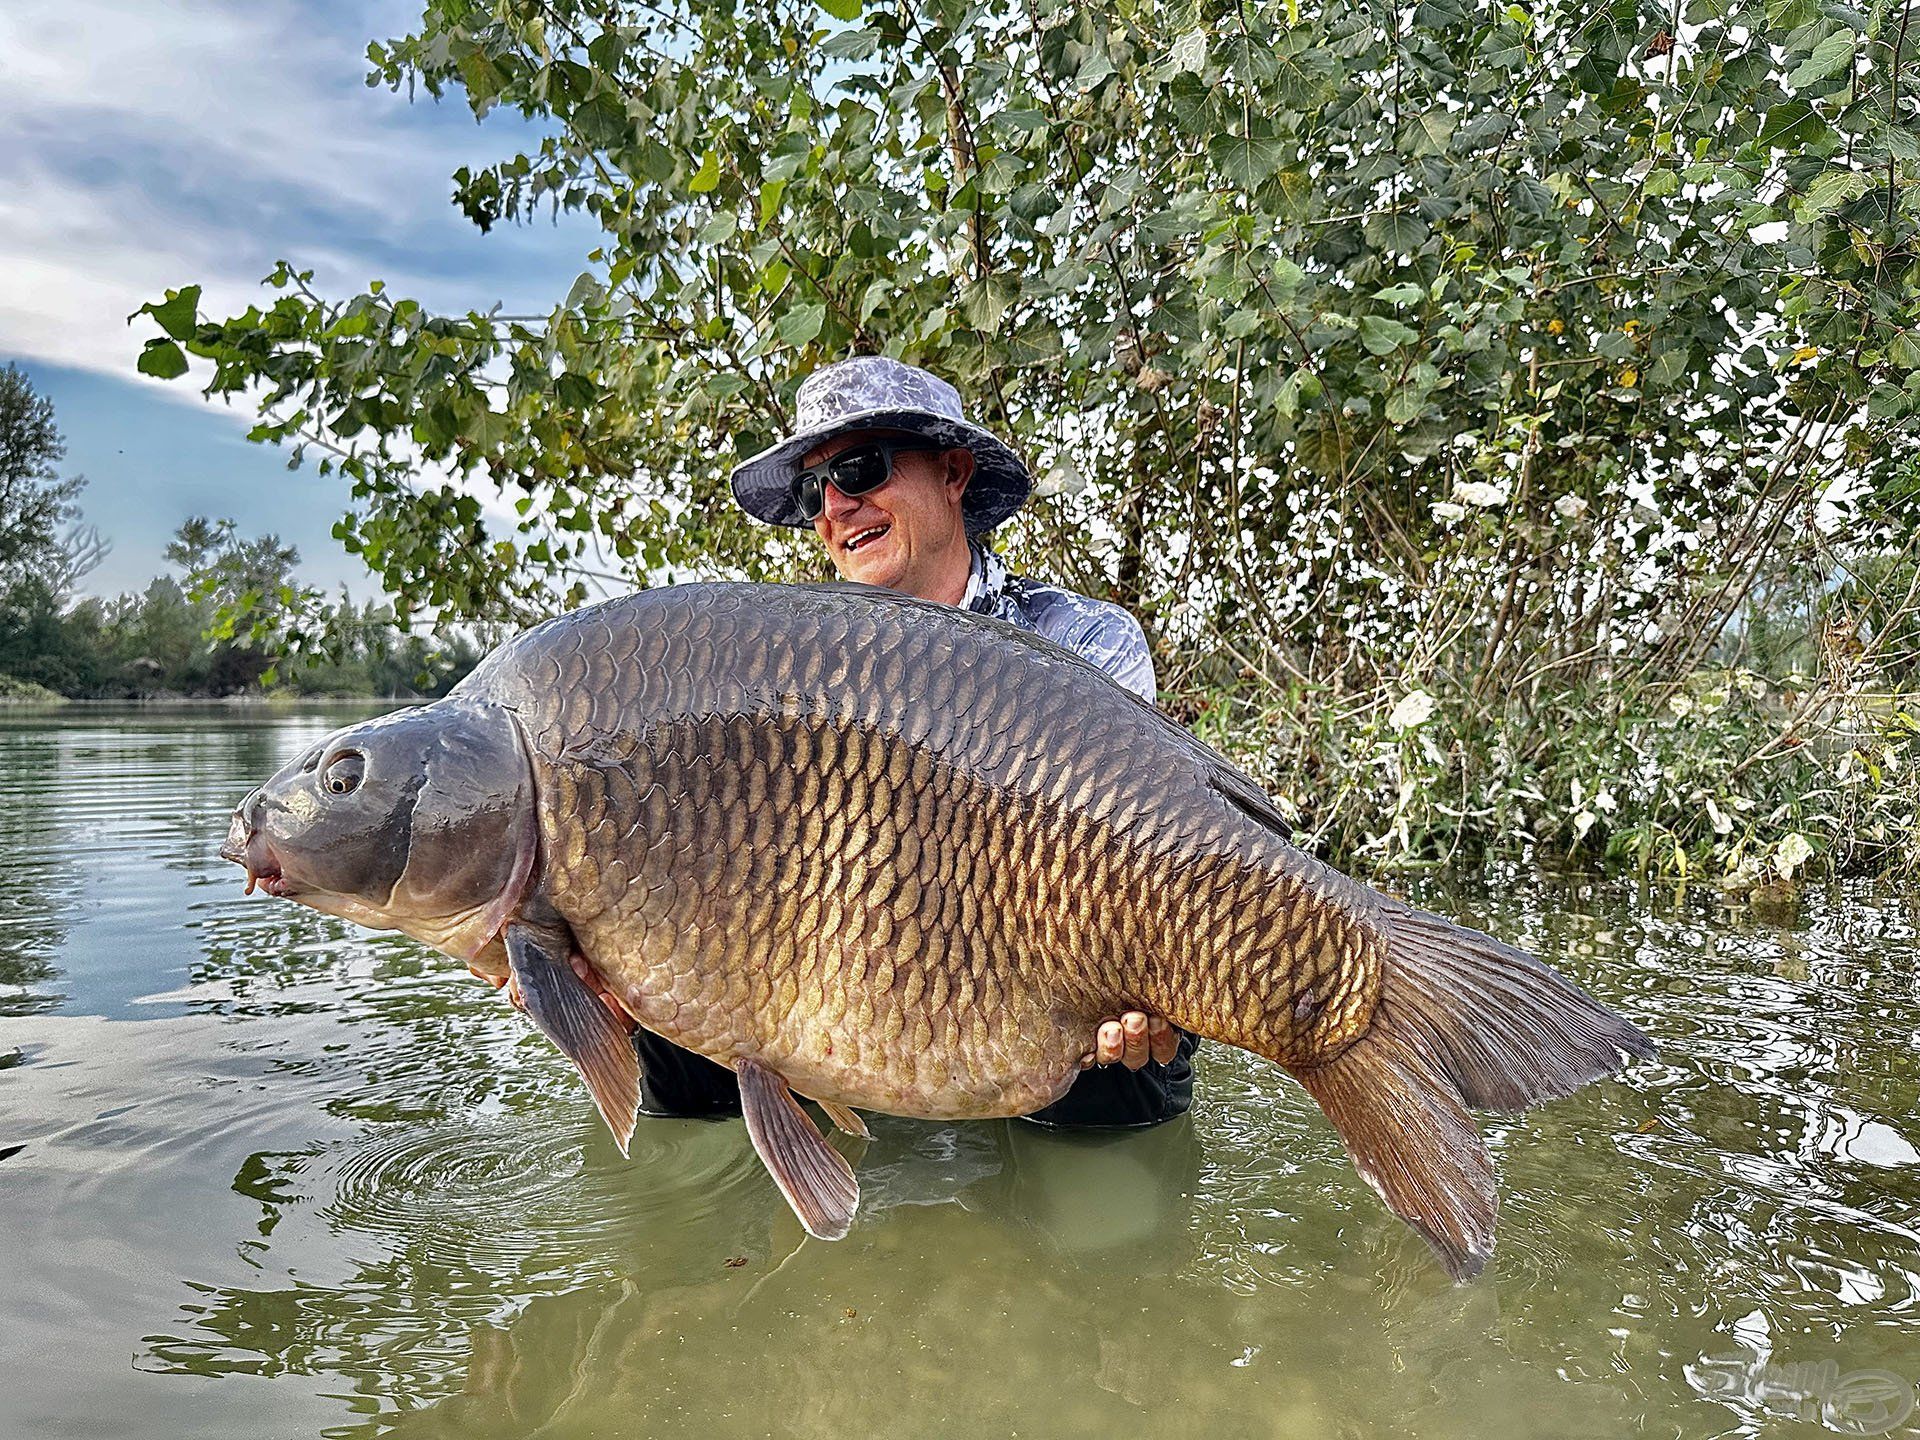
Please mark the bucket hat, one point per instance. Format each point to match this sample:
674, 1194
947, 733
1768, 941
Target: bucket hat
873, 392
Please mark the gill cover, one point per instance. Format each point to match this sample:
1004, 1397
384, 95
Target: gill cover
421, 821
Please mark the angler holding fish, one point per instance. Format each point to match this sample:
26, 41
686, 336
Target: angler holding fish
902, 491
850, 843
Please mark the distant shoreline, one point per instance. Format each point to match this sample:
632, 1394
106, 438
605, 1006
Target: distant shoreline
219, 702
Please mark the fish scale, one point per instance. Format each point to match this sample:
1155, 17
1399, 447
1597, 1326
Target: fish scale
896, 857
997, 819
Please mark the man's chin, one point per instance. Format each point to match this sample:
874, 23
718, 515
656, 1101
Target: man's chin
884, 569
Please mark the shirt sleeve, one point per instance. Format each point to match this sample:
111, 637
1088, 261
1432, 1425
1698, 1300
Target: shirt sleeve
1111, 640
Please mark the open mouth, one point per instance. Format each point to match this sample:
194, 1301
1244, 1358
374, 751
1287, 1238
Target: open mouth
263, 866
866, 537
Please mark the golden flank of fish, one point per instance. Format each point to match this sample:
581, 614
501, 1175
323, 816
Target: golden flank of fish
895, 857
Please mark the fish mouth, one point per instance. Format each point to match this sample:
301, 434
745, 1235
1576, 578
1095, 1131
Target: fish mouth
262, 865
866, 537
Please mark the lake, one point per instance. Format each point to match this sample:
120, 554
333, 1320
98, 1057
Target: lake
265, 1174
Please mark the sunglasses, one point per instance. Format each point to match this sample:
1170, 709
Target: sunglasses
853, 472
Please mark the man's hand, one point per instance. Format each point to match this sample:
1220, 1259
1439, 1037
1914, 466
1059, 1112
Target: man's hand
581, 968
1132, 1040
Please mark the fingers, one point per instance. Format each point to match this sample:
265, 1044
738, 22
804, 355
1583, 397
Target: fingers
1133, 1029
513, 994
1163, 1041
1132, 1040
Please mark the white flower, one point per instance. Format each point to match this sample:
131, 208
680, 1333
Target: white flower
1722, 822
1582, 823
1415, 707
1570, 507
1680, 705
1794, 852
1447, 510
1603, 800
1480, 492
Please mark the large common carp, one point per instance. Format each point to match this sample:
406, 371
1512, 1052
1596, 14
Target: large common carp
895, 857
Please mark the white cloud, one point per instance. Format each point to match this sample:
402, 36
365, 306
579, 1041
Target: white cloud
146, 145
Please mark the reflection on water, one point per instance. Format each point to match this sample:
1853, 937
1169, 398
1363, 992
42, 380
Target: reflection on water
277, 1175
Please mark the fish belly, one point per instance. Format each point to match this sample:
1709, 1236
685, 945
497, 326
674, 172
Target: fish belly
881, 1033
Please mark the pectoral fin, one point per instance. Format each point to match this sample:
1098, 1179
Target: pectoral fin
814, 1176
573, 1018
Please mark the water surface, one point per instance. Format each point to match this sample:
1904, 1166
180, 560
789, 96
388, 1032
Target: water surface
262, 1173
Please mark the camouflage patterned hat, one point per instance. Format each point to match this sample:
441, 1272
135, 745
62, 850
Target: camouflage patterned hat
871, 392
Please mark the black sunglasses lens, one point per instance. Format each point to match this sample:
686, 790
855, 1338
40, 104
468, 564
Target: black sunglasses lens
808, 494
858, 471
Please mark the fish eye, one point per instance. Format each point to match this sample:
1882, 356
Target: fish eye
343, 772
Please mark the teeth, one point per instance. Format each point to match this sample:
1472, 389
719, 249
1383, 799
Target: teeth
865, 535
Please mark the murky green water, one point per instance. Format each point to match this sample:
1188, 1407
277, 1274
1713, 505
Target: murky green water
265, 1174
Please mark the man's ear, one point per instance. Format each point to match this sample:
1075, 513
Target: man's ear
959, 470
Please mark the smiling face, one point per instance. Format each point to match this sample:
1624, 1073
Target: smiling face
908, 535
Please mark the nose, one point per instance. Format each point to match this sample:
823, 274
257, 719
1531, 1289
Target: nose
835, 505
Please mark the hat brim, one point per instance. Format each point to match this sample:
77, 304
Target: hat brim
1000, 485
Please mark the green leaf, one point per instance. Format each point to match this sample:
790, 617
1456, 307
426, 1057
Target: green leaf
984, 302
801, 323
1792, 126
1245, 161
1032, 202
162, 359
770, 201
708, 175
176, 313
1405, 404
720, 228
603, 120
1401, 294
1397, 234
1829, 57
1835, 187
1669, 364
1382, 334
842, 9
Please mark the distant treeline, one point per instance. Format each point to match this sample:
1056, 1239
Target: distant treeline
156, 643
188, 633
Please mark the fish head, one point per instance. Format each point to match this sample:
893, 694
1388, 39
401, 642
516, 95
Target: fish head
421, 821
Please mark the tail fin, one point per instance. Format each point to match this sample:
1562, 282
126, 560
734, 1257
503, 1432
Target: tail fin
1463, 1020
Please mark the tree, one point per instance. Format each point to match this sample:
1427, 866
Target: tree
1499, 352
40, 539
251, 591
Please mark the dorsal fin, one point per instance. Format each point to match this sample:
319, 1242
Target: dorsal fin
1248, 798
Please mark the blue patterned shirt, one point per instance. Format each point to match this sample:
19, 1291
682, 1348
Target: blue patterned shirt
1103, 635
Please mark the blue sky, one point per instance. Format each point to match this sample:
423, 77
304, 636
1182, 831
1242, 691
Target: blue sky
155, 143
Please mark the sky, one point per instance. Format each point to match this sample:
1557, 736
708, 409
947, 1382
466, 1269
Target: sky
147, 144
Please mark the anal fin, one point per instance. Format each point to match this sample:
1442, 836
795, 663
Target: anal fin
815, 1177
574, 1019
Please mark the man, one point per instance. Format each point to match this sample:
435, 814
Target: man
900, 487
